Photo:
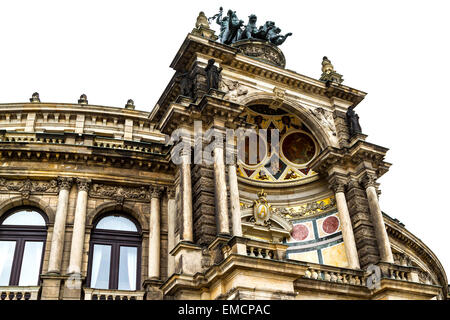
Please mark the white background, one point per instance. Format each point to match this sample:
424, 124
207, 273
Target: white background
397, 51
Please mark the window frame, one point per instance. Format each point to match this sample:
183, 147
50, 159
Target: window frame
21, 234
115, 239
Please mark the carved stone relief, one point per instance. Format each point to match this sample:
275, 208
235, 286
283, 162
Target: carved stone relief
262, 51
309, 209
233, 89
119, 193
325, 118
26, 187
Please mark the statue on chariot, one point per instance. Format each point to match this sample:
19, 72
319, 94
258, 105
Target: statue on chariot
232, 29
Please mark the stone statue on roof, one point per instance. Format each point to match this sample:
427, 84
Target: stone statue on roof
232, 29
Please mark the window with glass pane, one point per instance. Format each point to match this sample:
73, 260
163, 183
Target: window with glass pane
127, 268
101, 264
22, 239
114, 261
6, 259
31, 263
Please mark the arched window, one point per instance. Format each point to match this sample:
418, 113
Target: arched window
22, 241
115, 253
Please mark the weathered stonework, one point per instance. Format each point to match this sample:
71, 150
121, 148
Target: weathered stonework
206, 231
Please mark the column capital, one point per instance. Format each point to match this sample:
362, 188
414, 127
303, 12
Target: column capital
186, 151
337, 184
64, 183
171, 192
156, 191
369, 180
83, 184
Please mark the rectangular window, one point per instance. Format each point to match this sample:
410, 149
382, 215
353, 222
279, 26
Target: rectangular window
6, 259
101, 265
31, 263
127, 268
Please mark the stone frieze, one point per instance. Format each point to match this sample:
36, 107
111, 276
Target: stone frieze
119, 193
308, 209
26, 187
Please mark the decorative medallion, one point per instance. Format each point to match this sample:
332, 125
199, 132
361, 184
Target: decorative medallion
300, 232
330, 224
262, 210
263, 51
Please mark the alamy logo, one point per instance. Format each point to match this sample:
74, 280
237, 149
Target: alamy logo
373, 277
240, 145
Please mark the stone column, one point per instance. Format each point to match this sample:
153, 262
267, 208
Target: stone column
56, 249
76, 249
338, 187
234, 201
384, 245
186, 197
171, 217
154, 254
221, 191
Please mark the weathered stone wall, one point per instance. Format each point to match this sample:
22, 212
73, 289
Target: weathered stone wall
203, 204
364, 232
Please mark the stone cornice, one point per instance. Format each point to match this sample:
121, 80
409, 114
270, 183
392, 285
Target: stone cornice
54, 149
398, 231
230, 57
211, 106
70, 107
350, 157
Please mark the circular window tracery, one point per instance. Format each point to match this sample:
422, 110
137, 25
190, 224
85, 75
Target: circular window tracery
297, 147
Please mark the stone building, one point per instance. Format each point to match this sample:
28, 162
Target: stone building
92, 205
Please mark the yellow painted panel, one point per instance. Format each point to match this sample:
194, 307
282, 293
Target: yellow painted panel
335, 256
310, 256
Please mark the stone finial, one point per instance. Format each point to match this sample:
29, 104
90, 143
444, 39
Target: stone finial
202, 21
130, 104
328, 73
327, 67
202, 27
83, 99
35, 98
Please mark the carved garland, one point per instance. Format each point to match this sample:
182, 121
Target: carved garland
309, 209
119, 193
26, 187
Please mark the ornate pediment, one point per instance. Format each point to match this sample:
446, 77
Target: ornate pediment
260, 221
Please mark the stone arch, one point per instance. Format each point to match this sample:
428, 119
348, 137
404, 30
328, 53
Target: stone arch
319, 132
32, 201
114, 206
